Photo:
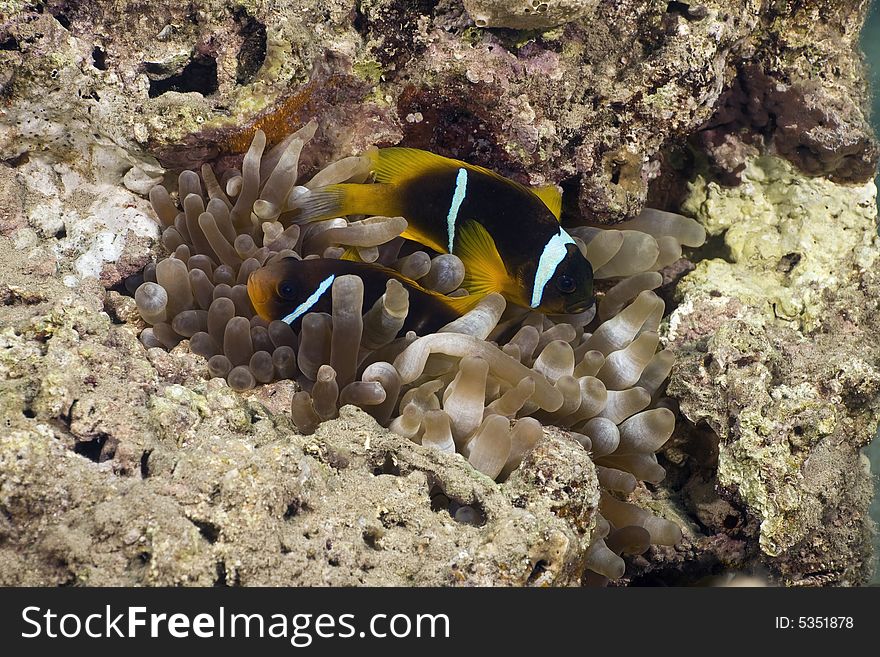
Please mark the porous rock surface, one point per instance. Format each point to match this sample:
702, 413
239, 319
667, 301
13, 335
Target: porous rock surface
590, 103
120, 466
778, 352
527, 14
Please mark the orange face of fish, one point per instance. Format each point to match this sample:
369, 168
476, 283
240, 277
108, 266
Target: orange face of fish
262, 290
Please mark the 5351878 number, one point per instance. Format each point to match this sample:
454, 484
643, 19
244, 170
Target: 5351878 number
814, 622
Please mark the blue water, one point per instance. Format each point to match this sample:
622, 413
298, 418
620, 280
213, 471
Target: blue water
871, 46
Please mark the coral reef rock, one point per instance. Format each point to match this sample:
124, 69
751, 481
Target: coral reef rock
592, 102
777, 354
527, 14
121, 466
126, 464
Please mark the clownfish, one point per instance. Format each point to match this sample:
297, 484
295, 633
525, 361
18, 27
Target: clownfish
507, 235
289, 288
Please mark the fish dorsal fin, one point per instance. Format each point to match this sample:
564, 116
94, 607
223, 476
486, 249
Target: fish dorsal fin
394, 165
552, 197
484, 268
397, 164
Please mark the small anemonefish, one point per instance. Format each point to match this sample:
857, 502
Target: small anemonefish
507, 235
288, 289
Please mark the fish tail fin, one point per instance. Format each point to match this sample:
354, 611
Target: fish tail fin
341, 200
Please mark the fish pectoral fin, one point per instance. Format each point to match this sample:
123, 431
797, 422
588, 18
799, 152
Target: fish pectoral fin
484, 269
412, 233
394, 165
552, 197
464, 304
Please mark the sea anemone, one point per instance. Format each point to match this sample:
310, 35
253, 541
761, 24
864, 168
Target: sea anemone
484, 385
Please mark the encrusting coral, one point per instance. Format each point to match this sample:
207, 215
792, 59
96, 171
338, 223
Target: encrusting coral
484, 385
527, 14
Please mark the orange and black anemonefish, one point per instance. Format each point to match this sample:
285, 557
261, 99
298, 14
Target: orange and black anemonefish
289, 288
507, 235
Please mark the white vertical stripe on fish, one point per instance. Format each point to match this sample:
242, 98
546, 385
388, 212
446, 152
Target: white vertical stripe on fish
304, 307
554, 252
457, 200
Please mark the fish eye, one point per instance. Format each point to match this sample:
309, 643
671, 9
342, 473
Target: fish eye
566, 284
286, 290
